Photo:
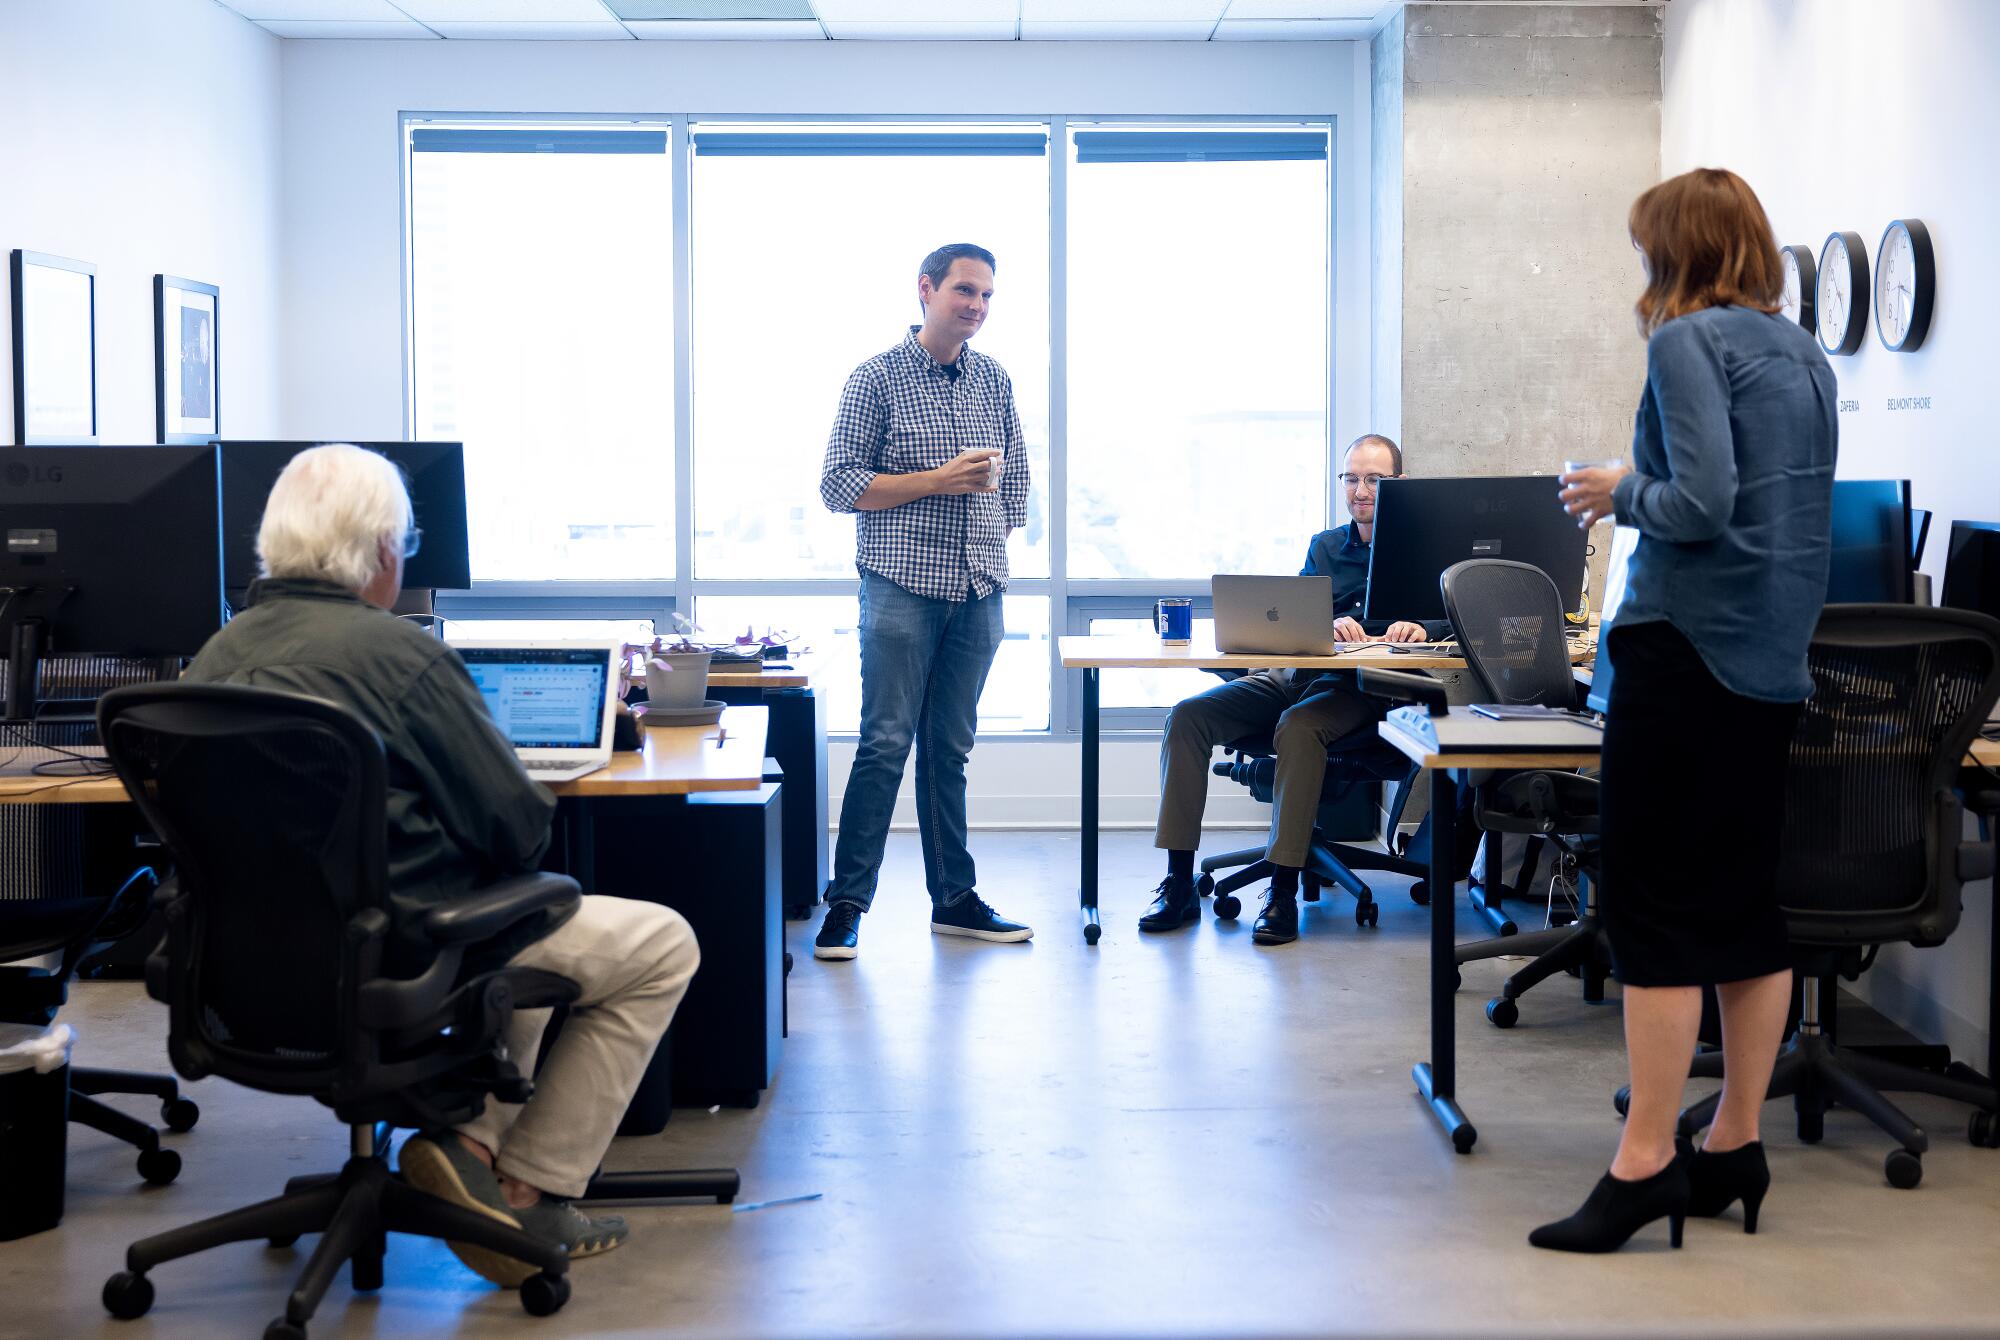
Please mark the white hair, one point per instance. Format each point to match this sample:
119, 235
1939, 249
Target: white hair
329, 512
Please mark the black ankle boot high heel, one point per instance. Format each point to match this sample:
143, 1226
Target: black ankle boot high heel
1616, 1210
1717, 1181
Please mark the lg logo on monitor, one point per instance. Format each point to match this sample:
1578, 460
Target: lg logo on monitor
18, 474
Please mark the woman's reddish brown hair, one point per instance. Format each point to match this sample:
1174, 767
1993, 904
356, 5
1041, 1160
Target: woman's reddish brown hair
1707, 243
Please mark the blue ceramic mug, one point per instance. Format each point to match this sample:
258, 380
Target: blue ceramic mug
1173, 619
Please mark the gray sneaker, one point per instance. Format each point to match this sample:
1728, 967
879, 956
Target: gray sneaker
440, 1164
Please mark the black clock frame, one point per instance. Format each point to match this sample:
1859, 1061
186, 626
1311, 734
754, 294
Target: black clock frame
1861, 288
1924, 292
1808, 265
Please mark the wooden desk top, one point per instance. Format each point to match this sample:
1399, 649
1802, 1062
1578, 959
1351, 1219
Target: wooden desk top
798, 676
1143, 651
675, 761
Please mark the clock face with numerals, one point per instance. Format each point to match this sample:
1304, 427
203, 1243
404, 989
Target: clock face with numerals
1905, 285
1801, 285
1842, 297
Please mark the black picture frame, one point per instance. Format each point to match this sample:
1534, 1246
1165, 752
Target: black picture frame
187, 361
54, 311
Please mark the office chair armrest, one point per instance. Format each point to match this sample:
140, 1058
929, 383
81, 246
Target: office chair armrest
1975, 861
1405, 687
492, 910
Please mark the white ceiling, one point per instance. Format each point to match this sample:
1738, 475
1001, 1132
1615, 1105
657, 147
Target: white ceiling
864, 20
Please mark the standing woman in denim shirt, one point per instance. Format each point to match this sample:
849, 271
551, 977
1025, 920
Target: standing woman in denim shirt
1730, 489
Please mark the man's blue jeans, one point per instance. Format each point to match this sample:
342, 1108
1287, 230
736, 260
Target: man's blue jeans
923, 664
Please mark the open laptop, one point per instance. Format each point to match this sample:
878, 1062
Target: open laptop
1276, 616
553, 700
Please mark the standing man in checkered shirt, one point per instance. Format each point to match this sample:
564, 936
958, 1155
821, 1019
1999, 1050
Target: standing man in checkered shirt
927, 452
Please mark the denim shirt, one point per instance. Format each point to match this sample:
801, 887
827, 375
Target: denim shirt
1731, 491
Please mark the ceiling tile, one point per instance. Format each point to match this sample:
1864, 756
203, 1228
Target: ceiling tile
1121, 11
915, 11
505, 11
380, 11
1195, 31
682, 11
1294, 30
1304, 9
726, 30
921, 31
304, 30
608, 31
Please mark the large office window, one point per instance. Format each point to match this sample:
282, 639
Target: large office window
1198, 317
806, 246
542, 336
560, 272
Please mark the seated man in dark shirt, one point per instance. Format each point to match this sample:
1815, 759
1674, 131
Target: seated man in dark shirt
1306, 710
462, 814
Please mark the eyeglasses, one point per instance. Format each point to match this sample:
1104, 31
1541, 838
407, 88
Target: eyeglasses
413, 539
1355, 481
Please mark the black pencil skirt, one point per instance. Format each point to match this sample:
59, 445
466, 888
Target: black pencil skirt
1693, 778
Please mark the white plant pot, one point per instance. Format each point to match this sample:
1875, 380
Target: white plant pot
684, 683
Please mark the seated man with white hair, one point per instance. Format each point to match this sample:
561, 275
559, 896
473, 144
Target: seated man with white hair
462, 814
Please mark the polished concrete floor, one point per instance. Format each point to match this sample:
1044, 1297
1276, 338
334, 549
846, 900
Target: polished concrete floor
1171, 1136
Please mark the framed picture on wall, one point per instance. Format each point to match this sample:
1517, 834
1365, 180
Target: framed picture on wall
187, 397
55, 349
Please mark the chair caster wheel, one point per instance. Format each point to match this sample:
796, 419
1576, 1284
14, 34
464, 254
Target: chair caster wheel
1984, 1130
1091, 932
543, 1295
1622, 1100
284, 1330
1502, 1012
1228, 906
1463, 1138
282, 1240
159, 1166
788, 963
1367, 914
180, 1114
128, 1295
1903, 1169
1205, 886
1420, 893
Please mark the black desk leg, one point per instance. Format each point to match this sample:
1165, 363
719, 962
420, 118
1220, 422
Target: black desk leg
1091, 930
1437, 1078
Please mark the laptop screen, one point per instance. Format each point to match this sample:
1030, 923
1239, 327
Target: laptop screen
543, 697
1624, 539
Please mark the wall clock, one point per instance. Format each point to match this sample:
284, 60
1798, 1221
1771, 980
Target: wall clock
1842, 303
1905, 285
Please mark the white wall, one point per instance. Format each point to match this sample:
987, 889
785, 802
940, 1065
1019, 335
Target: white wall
1845, 114
343, 337
143, 136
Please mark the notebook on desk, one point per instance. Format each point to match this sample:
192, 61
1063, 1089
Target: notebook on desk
554, 701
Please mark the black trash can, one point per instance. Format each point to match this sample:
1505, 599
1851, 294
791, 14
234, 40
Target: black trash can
34, 1138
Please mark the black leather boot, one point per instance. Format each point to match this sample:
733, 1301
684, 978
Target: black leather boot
1278, 923
1175, 905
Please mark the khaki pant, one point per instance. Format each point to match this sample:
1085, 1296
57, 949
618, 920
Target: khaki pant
633, 961
1302, 722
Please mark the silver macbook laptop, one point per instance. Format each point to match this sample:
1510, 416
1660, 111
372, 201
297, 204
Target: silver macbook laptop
1279, 616
553, 700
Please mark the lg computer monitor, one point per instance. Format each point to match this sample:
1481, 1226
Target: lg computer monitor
1871, 543
1972, 567
436, 475
1423, 526
109, 551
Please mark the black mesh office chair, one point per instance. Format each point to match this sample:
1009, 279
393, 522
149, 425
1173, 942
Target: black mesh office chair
274, 974
1508, 618
1874, 852
1352, 761
76, 923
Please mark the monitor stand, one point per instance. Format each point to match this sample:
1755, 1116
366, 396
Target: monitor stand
24, 670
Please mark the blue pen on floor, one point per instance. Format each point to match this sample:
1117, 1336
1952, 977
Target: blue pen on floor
782, 1200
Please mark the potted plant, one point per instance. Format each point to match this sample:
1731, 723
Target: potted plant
677, 670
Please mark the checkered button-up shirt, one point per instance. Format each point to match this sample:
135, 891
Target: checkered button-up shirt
901, 412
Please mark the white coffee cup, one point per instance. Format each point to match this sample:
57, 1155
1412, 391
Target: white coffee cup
994, 469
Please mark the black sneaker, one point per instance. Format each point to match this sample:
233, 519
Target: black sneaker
1176, 905
837, 933
971, 916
